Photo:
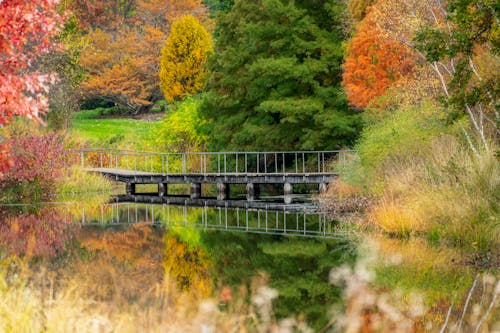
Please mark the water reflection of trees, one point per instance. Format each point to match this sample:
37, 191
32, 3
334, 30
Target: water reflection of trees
37, 232
120, 263
188, 265
297, 268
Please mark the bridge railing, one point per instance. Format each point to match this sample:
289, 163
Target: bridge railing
217, 163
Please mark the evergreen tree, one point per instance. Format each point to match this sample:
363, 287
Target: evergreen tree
183, 59
275, 77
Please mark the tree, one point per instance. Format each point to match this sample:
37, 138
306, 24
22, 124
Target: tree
455, 50
357, 9
183, 59
26, 29
275, 77
64, 96
373, 63
115, 70
121, 56
216, 6
102, 13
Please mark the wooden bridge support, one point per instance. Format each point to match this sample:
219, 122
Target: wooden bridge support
288, 191
163, 189
222, 191
253, 191
195, 190
130, 188
323, 188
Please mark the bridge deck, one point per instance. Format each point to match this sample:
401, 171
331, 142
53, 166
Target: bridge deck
142, 177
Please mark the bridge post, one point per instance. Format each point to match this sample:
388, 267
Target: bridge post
253, 191
288, 191
195, 190
222, 191
162, 189
323, 188
130, 188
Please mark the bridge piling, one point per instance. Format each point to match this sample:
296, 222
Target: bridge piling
195, 190
163, 189
223, 191
253, 191
323, 188
130, 188
288, 191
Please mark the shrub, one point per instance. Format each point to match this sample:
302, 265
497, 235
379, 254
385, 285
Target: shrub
402, 136
179, 130
37, 161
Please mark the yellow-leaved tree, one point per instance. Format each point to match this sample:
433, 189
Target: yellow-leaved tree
183, 58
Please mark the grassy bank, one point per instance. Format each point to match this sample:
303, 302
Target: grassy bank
89, 127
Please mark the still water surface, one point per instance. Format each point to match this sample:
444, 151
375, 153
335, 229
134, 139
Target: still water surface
204, 249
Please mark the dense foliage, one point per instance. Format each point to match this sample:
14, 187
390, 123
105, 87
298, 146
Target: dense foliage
426, 156
121, 56
373, 63
183, 59
26, 29
275, 77
38, 161
465, 56
181, 129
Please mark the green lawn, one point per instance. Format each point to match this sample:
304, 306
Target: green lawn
111, 132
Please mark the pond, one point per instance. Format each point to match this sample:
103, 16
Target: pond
144, 263
120, 250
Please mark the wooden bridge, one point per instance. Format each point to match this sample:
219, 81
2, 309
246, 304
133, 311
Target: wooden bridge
253, 169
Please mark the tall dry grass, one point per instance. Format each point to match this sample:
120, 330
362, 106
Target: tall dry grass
370, 309
29, 307
448, 193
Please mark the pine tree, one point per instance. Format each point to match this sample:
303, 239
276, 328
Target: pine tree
275, 77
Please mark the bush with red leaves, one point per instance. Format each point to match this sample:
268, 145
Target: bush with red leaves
35, 160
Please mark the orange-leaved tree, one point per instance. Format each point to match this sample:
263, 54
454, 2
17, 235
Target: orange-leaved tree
357, 9
183, 59
373, 63
115, 69
122, 53
26, 29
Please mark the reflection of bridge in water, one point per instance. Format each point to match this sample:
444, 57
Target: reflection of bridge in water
285, 220
222, 169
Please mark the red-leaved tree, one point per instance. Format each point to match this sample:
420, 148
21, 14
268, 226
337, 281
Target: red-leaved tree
26, 31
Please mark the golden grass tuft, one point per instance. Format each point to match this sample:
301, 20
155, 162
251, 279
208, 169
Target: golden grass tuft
394, 217
77, 181
449, 191
341, 190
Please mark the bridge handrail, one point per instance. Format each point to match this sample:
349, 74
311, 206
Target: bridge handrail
224, 162
210, 152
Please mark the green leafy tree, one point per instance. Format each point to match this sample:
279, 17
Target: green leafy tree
183, 59
275, 78
464, 53
216, 6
